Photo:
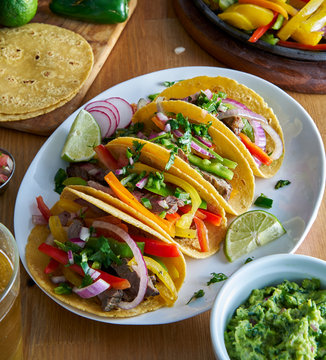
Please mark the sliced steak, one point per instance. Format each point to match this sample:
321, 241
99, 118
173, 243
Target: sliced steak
87, 171
97, 186
125, 272
235, 123
182, 155
159, 203
74, 229
110, 299
64, 217
223, 187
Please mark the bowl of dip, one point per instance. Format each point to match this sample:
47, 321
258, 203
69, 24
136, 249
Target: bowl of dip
283, 308
7, 168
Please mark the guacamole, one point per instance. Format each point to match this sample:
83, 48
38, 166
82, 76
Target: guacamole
287, 321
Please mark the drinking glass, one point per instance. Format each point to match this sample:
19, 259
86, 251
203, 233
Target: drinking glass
10, 301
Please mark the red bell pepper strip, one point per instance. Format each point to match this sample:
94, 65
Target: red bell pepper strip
62, 257
255, 150
52, 266
204, 215
259, 32
157, 247
172, 218
202, 234
295, 45
105, 157
45, 211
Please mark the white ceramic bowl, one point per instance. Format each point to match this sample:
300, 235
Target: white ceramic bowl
268, 270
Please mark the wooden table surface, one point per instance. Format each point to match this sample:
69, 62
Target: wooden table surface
51, 332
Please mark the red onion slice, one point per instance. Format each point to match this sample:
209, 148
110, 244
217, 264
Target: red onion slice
141, 265
94, 289
78, 242
278, 145
141, 183
70, 257
84, 233
161, 116
204, 141
195, 146
248, 114
208, 93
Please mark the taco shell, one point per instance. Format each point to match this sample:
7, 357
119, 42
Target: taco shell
243, 182
242, 94
37, 261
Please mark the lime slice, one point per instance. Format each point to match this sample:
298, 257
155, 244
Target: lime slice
249, 231
83, 136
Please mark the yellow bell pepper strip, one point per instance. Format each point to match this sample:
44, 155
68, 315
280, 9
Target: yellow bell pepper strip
202, 234
258, 33
161, 273
268, 5
186, 219
309, 32
255, 150
316, 21
247, 16
295, 45
56, 229
125, 196
289, 28
65, 205
237, 20
288, 8
185, 233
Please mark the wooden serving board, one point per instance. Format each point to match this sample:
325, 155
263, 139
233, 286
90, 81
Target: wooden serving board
295, 75
102, 38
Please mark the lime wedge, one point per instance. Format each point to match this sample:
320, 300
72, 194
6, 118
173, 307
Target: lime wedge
83, 136
249, 231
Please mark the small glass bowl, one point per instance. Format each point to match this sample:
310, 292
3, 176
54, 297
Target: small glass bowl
5, 185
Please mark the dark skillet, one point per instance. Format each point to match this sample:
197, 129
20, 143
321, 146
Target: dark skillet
274, 49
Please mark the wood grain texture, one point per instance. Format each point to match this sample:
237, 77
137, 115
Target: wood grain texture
101, 37
296, 75
50, 332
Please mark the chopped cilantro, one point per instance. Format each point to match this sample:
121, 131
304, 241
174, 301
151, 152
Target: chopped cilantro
200, 293
216, 278
59, 178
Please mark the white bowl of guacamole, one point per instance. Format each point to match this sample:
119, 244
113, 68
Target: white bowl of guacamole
272, 308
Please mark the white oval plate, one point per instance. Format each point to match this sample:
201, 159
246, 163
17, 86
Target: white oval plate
296, 205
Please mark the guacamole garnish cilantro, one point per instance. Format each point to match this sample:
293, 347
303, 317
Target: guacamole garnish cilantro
287, 321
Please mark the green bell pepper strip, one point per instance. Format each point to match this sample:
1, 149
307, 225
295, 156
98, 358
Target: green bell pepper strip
96, 11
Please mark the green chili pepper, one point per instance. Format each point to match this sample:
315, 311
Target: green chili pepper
97, 11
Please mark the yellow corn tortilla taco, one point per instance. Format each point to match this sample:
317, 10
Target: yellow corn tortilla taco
234, 194
239, 102
159, 277
187, 239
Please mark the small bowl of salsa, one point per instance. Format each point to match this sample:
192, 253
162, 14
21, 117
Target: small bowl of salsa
7, 169
272, 308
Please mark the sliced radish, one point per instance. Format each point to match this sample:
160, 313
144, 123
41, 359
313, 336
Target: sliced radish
125, 111
111, 115
114, 109
103, 121
95, 104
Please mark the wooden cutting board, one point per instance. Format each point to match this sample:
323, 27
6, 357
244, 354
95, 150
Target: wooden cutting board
101, 37
295, 75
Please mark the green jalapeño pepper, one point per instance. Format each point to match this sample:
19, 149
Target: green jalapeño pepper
96, 11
